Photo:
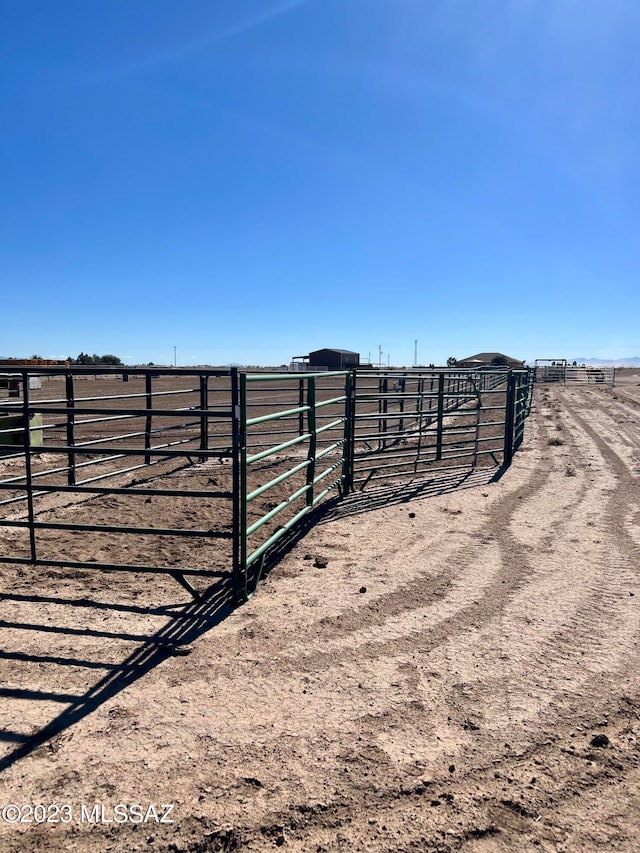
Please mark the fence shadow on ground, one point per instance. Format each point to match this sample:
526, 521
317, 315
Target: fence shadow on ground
435, 485
356, 503
184, 626
186, 622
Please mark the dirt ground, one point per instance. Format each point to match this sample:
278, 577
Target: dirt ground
462, 675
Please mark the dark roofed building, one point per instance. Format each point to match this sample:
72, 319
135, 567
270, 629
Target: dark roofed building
334, 359
489, 359
326, 359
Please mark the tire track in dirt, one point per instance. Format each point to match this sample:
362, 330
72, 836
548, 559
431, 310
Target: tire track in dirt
617, 427
454, 601
535, 798
545, 649
450, 566
405, 632
492, 584
627, 487
631, 400
599, 596
456, 607
451, 584
579, 630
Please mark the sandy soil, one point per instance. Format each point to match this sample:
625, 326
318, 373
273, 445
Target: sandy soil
462, 675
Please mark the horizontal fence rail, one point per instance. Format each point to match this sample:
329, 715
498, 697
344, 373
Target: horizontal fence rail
118, 469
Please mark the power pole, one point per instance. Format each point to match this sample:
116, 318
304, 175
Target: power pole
415, 353
175, 357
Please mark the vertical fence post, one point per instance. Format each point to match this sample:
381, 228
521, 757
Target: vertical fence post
420, 412
349, 432
244, 491
509, 418
148, 422
28, 466
300, 405
204, 409
71, 420
385, 407
313, 438
531, 378
380, 410
476, 386
239, 474
440, 421
522, 401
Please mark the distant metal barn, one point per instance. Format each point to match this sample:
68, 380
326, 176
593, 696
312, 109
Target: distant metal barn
334, 359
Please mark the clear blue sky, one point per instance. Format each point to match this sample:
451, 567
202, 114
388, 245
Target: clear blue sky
249, 180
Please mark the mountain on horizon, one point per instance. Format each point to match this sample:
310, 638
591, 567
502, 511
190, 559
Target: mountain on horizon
634, 361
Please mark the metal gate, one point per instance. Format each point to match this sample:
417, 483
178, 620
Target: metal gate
293, 451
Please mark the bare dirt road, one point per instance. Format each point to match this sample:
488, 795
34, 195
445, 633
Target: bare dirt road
462, 675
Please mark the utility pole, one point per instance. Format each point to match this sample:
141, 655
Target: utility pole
175, 357
415, 353
379, 355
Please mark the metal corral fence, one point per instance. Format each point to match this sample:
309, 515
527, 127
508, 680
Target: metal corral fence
572, 374
409, 422
203, 472
111, 448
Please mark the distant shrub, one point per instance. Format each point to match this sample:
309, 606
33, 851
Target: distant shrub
555, 441
85, 358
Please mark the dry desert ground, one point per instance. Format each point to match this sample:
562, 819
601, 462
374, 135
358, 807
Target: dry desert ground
461, 675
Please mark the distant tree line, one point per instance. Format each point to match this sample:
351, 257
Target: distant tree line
85, 358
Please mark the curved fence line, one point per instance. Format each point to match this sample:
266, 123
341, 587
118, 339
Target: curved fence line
229, 460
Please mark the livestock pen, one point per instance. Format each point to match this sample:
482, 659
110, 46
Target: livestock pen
200, 473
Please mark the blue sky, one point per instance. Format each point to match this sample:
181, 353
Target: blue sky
249, 180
